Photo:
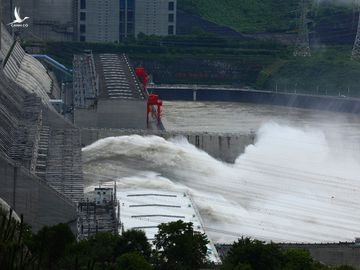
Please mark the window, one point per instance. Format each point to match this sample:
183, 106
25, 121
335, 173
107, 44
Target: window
131, 4
82, 16
82, 28
122, 4
170, 30
130, 28
82, 4
171, 17
122, 16
171, 6
130, 16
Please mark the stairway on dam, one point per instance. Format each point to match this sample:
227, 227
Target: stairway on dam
40, 151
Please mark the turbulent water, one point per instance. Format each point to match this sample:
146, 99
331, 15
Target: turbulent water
294, 184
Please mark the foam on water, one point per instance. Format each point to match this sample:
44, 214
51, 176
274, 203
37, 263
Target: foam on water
291, 185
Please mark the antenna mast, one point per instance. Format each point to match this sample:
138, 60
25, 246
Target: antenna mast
302, 47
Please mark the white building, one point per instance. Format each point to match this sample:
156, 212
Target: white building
98, 20
155, 17
113, 20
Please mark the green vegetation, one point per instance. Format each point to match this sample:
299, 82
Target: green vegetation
247, 254
257, 64
14, 253
246, 15
55, 248
257, 16
177, 247
328, 72
207, 59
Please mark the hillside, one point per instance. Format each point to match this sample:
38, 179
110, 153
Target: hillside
256, 16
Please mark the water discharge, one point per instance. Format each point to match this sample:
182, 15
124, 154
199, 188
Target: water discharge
292, 185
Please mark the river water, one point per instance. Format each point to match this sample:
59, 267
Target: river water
299, 182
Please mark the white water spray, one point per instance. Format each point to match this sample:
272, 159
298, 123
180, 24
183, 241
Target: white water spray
292, 185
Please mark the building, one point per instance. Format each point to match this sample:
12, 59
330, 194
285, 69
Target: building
97, 213
155, 17
48, 20
127, 18
114, 20
98, 20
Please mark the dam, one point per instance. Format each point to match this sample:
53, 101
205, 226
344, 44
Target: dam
40, 154
252, 169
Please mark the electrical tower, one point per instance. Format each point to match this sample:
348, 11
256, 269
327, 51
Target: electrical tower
355, 55
302, 46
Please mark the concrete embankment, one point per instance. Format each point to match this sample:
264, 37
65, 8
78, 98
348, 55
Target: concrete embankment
193, 93
30, 195
225, 147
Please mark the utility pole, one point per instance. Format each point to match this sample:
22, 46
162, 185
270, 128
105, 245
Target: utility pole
302, 46
355, 55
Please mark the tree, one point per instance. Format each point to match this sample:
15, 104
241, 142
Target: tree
253, 253
133, 241
344, 267
51, 244
132, 261
178, 246
298, 259
14, 234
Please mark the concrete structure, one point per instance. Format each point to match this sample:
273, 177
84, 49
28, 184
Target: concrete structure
113, 20
228, 94
147, 209
40, 154
97, 213
98, 20
120, 103
85, 81
155, 17
49, 19
26, 71
226, 147
127, 18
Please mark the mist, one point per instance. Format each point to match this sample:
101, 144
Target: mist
292, 185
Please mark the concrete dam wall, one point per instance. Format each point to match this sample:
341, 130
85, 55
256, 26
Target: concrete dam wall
25, 70
23, 153
40, 152
225, 147
188, 93
30, 195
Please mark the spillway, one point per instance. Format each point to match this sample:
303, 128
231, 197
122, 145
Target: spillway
294, 184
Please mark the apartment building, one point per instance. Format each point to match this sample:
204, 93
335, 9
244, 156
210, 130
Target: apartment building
155, 17
114, 20
98, 20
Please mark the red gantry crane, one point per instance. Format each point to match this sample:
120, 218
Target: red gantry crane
153, 100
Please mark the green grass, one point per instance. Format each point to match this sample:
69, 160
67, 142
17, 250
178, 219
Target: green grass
262, 65
246, 15
256, 16
329, 71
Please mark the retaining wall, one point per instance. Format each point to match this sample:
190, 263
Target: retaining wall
29, 195
225, 147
